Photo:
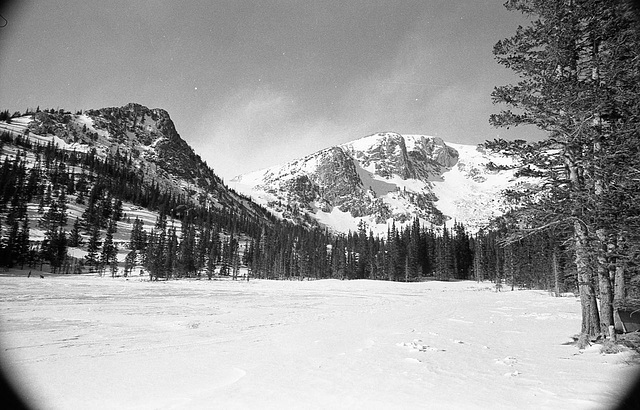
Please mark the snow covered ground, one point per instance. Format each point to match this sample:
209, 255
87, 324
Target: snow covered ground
85, 342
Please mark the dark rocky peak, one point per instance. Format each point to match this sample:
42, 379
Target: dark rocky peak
386, 151
409, 157
336, 175
430, 157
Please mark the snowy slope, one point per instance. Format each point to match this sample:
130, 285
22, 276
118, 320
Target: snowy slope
82, 342
468, 192
383, 178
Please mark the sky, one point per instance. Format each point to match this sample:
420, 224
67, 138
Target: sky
250, 84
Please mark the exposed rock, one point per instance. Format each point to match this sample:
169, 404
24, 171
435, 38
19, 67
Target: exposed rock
385, 177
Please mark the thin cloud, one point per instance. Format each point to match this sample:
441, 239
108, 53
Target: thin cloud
254, 129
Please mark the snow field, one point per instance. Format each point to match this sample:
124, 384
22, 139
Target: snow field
90, 342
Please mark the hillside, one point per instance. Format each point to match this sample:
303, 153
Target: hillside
71, 182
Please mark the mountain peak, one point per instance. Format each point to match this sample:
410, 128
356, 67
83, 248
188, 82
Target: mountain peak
383, 178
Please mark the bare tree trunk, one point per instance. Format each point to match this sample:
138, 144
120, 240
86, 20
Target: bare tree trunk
235, 264
588, 303
620, 289
556, 270
603, 244
604, 284
619, 285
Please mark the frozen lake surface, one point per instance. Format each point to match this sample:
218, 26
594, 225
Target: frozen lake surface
84, 342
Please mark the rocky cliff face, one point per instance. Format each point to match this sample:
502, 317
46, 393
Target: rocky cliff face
409, 157
150, 136
382, 178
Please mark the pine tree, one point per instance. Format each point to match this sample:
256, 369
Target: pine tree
12, 239
214, 252
130, 262
109, 249
338, 259
462, 253
414, 251
75, 238
137, 240
93, 246
54, 247
61, 246
393, 258
23, 243
187, 258
578, 61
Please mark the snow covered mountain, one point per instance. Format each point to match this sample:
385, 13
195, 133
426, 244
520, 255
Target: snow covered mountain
382, 178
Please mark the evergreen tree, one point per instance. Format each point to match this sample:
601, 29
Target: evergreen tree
462, 253
22, 246
170, 254
109, 249
54, 247
130, 262
187, 258
93, 246
578, 62
11, 241
138, 238
414, 252
75, 238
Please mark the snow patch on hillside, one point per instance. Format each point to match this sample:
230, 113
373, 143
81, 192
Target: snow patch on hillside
87, 121
341, 221
468, 192
377, 184
365, 143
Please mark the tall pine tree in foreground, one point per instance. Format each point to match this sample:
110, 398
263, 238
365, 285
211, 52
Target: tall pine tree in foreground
579, 68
